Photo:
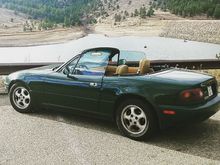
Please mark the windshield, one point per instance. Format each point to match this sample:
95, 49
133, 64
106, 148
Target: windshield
132, 55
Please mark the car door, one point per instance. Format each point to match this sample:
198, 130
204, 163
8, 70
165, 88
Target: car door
78, 85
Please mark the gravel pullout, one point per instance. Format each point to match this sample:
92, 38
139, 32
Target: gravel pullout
56, 138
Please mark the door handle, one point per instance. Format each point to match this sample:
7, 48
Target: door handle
92, 84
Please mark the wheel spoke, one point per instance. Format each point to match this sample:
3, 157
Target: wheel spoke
25, 104
141, 115
132, 110
130, 126
125, 116
27, 96
141, 127
23, 91
17, 94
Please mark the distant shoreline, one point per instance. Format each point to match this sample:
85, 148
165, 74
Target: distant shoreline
50, 37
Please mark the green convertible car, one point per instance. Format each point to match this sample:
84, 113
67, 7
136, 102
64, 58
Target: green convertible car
107, 83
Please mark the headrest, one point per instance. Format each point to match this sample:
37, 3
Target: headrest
144, 66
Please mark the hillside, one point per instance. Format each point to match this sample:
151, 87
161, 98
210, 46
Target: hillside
35, 22
78, 12
191, 8
12, 31
83, 12
52, 12
10, 20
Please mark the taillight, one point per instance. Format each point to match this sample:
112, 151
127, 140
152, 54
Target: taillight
192, 95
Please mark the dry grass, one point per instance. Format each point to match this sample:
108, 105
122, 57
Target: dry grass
216, 73
1, 82
6, 25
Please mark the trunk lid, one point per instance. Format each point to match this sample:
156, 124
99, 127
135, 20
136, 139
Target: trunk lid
183, 76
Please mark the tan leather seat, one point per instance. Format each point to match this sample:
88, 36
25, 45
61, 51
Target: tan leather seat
111, 68
144, 66
133, 69
122, 69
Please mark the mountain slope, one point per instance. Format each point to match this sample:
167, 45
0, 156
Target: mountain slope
190, 8
82, 12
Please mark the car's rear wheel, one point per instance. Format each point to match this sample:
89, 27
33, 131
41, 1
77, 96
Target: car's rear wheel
135, 119
20, 98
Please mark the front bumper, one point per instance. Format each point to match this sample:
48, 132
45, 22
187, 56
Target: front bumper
188, 114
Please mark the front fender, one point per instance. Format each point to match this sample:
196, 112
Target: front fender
12, 78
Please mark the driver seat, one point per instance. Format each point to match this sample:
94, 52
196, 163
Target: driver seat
144, 66
122, 69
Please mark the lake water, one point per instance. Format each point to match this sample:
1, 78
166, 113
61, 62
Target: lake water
157, 48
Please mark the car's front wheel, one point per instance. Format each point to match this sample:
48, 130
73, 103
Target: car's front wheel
20, 98
135, 119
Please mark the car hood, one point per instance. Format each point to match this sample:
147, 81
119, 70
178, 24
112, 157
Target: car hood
39, 70
182, 76
24, 73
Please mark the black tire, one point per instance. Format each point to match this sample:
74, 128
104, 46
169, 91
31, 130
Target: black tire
20, 98
147, 128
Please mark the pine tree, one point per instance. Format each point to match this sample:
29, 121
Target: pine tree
136, 13
143, 12
217, 12
150, 12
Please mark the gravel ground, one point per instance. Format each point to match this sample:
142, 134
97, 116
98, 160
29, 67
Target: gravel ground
56, 138
2, 89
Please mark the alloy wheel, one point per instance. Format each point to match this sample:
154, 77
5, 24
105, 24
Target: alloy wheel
21, 97
134, 119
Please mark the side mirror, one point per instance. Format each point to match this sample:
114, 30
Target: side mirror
122, 62
66, 71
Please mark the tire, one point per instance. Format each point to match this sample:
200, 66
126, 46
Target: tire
136, 120
20, 98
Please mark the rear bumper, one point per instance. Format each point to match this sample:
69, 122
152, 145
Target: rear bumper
188, 114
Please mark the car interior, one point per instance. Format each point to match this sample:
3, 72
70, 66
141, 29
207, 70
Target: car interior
125, 70
116, 65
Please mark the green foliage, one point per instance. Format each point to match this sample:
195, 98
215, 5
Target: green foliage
217, 12
118, 17
136, 13
191, 7
66, 12
150, 12
143, 12
126, 13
